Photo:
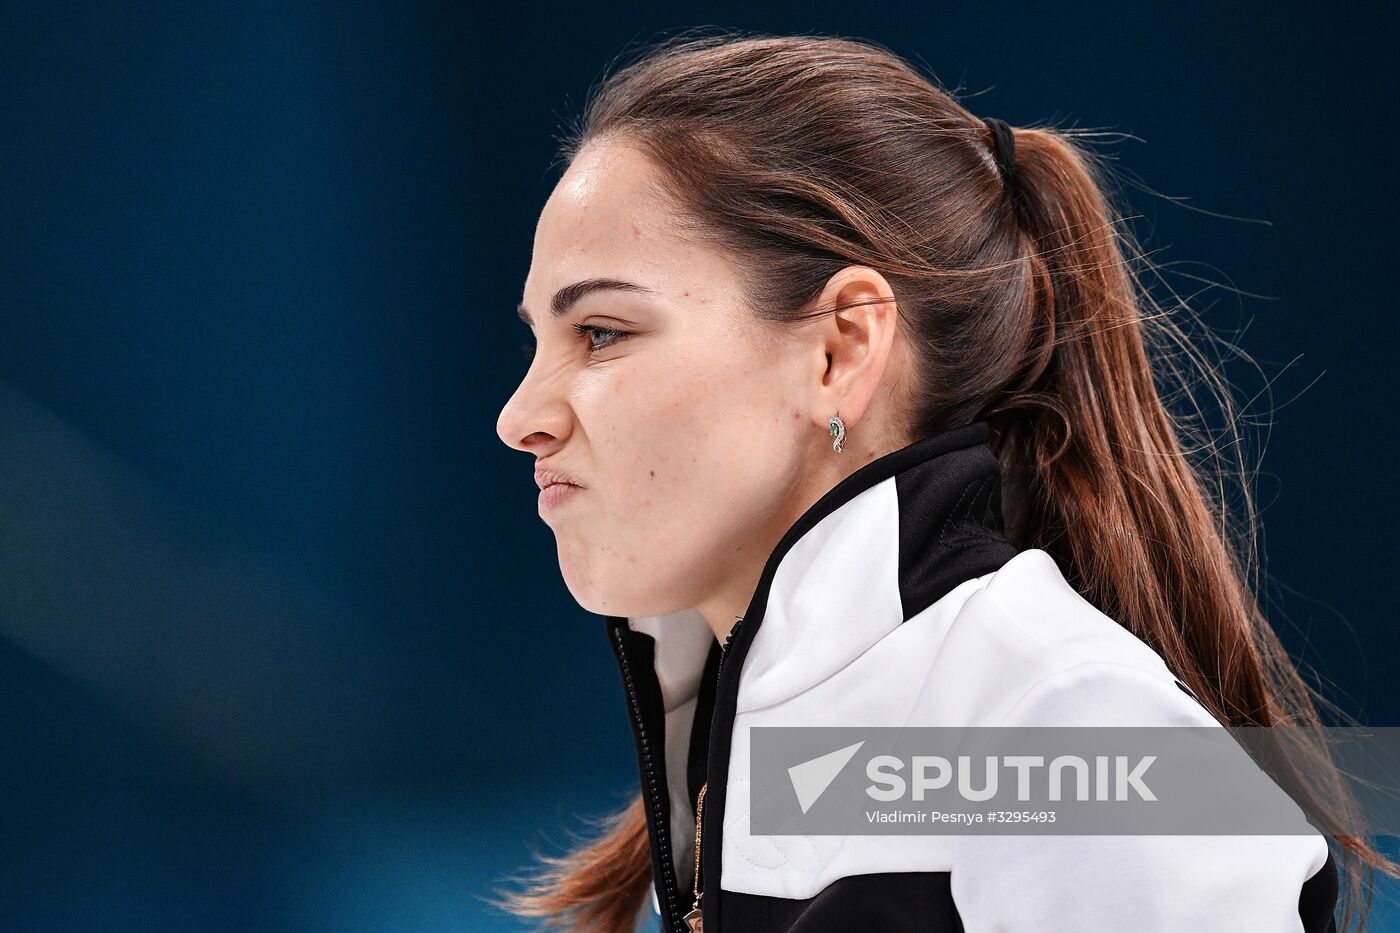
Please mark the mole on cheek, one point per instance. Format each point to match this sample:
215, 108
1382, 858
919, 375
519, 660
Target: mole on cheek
796, 415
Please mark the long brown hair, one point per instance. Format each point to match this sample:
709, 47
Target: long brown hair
1030, 307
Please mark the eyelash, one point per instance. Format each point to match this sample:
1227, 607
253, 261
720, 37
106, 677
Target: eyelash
584, 330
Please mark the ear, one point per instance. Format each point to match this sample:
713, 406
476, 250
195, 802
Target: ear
855, 342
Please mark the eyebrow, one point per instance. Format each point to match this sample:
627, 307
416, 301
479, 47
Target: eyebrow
570, 295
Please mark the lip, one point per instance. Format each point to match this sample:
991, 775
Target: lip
553, 495
544, 475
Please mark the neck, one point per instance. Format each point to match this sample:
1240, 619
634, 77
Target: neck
727, 605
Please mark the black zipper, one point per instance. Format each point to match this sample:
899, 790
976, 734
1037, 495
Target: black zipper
724, 648
661, 821
719, 671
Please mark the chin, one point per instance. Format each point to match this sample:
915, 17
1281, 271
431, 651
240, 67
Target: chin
604, 600
582, 586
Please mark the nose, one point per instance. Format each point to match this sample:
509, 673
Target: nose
534, 417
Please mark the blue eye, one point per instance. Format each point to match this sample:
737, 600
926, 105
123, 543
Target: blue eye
592, 330
610, 336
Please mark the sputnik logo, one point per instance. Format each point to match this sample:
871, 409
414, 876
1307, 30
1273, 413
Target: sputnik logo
811, 778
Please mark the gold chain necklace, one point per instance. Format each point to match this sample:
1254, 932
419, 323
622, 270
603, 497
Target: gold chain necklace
693, 919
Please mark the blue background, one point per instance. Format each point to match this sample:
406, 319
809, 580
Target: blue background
283, 643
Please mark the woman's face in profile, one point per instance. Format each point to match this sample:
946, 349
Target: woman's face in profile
682, 419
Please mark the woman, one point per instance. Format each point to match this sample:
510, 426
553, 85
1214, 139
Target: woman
842, 413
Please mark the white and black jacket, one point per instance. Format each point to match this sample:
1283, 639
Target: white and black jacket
897, 600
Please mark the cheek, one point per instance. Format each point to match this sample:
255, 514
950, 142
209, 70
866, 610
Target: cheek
706, 441
688, 428
685, 453
657, 432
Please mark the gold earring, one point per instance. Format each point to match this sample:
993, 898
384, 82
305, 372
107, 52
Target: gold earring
838, 430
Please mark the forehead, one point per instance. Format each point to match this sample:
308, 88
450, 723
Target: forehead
609, 217
608, 188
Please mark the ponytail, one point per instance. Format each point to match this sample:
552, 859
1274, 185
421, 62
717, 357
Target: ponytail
1094, 472
599, 888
